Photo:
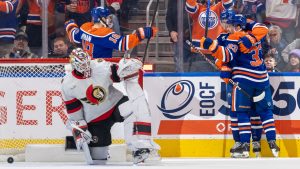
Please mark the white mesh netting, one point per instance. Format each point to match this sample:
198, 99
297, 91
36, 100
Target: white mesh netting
32, 110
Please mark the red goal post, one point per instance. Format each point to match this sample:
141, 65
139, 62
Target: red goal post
31, 106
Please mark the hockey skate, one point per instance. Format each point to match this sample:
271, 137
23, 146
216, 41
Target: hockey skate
145, 155
274, 148
236, 144
256, 148
242, 151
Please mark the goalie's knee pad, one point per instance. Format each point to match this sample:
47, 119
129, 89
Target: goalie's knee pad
99, 153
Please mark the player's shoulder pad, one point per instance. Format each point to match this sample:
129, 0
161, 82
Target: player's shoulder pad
235, 37
99, 60
128, 67
101, 32
100, 66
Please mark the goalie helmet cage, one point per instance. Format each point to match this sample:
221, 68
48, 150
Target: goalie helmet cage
31, 108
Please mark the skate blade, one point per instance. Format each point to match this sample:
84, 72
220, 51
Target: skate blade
238, 155
141, 159
275, 152
257, 154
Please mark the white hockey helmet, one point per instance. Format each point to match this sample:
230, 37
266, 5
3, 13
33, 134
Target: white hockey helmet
80, 61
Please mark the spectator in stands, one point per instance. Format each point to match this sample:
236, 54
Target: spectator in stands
284, 14
8, 25
294, 45
128, 8
22, 14
172, 27
276, 44
20, 48
80, 10
114, 7
197, 12
294, 61
252, 9
61, 48
270, 63
34, 23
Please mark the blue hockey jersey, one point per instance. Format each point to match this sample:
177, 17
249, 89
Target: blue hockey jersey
8, 20
247, 68
100, 42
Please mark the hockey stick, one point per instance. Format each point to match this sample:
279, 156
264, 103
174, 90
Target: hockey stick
254, 99
85, 146
207, 18
148, 40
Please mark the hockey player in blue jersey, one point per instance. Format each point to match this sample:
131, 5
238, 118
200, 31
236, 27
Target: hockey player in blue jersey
243, 51
99, 40
256, 128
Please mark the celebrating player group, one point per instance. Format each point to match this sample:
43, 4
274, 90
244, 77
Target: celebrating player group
94, 105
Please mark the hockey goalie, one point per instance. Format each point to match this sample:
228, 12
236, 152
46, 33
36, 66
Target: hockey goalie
94, 105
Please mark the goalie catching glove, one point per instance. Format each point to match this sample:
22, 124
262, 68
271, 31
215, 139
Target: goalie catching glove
80, 133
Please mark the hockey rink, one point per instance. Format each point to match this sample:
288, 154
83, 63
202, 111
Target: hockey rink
172, 163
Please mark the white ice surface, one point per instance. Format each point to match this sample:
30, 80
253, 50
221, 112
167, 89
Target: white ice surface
174, 163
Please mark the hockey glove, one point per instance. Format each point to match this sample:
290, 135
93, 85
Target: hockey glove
207, 43
80, 133
146, 32
219, 63
225, 73
246, 43
70, 24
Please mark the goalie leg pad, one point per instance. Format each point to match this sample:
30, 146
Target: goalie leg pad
138, 100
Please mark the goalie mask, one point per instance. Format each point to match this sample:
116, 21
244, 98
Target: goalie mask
102, 15
80, 61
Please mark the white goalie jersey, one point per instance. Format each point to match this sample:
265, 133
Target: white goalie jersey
94, 98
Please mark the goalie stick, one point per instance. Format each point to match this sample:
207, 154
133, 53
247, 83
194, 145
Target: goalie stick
85, 146
254, 99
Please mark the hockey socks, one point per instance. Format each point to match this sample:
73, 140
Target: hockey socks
234, 126
244, 126
256, 126
268, 124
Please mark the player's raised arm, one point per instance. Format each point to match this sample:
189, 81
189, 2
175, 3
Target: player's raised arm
258, 30
7, 6
72, 31
109, 39
191, 6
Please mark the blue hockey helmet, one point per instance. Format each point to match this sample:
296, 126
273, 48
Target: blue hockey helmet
236, 20
229, 13
98, 13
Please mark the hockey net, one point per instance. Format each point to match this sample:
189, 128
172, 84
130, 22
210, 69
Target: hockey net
31, 106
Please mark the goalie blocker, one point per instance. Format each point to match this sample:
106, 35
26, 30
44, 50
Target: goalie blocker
90, 97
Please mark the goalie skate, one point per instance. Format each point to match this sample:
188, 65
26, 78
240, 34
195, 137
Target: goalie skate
145, 155
140, 155
242, 151
256, 148
274, 148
